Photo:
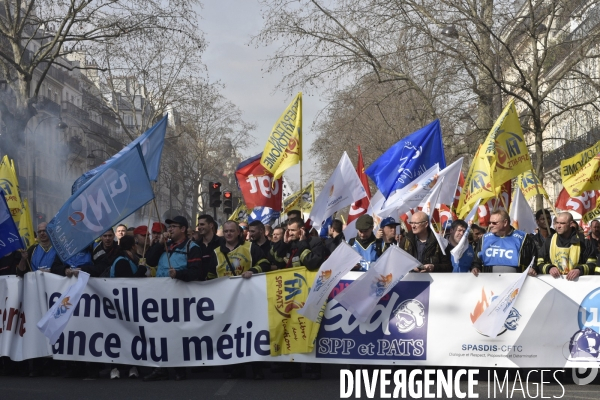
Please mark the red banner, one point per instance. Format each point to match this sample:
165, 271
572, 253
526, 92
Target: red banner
582, 204
256, 185
361, 206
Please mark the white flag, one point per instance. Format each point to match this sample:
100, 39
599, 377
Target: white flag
461, 247
491, 321
342, 189
521, 216
411, 195
451, 175
429, 204
362, 296
339, 263
55, 320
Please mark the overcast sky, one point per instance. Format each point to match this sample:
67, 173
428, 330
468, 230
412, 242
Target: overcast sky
229, 25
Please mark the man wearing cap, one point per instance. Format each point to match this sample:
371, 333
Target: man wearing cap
387, 232
182, 261
157, 230
422, 244
365, 243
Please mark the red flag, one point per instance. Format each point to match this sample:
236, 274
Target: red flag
582, 204
361, 206
256, 185
461, 183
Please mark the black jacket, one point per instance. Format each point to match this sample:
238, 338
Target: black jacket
587, 254
309, 253
432, 254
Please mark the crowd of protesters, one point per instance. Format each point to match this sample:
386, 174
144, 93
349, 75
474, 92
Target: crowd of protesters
180, 251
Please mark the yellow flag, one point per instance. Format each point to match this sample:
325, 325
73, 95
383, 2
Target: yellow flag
506, 144
530, 185
240, 214
287, 290
580, 173
284, 146
26, 226
10, 186
301, 200
479, 183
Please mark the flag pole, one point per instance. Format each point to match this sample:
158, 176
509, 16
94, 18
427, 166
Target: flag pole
162, 231
147, 233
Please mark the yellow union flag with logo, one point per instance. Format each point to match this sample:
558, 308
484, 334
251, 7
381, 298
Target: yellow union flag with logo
301, 200
240, 214
581, 172
284, 146
530, 185
287, 291
26, 226
506, 144
479, 184
10, 186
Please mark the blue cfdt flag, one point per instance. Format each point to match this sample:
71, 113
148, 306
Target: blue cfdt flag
265, 215
151, 142
10, 240
408, 158
111, 195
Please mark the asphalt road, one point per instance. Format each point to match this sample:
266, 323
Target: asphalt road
211, 384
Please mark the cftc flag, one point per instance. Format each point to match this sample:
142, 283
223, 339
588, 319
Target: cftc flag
521, 216
26, 226
342, 189
117, 191
339, 263
491, 321
10, 240
408, 158
284, 145
53, 323
151, 142
362, 296
10, 186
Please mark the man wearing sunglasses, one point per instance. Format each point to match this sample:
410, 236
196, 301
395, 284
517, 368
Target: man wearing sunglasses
504, 249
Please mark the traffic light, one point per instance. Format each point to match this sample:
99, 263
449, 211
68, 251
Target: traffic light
227, 202
214, 193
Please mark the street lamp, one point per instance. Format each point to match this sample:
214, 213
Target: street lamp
61, 126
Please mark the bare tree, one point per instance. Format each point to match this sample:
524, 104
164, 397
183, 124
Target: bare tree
39, 35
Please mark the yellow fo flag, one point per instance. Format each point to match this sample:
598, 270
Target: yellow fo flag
506, 144
580, 172
26, 226
284, 146
241, 213
479, 183
530, 185
290, 332
10, 186
301, 200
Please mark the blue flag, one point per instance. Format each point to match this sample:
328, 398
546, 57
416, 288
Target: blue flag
111, 195
10, 240
151, 141
408, 158
324, 232
265, 215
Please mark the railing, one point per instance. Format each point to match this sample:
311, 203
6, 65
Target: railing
74, 110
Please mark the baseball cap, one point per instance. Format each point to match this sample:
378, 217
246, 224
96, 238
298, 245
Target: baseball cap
389, 221
141, 230
156, 227
364, 222
179, 220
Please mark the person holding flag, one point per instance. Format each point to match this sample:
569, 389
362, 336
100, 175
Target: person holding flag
422, 244
457, 229
41, 256
504, 248
567, 252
